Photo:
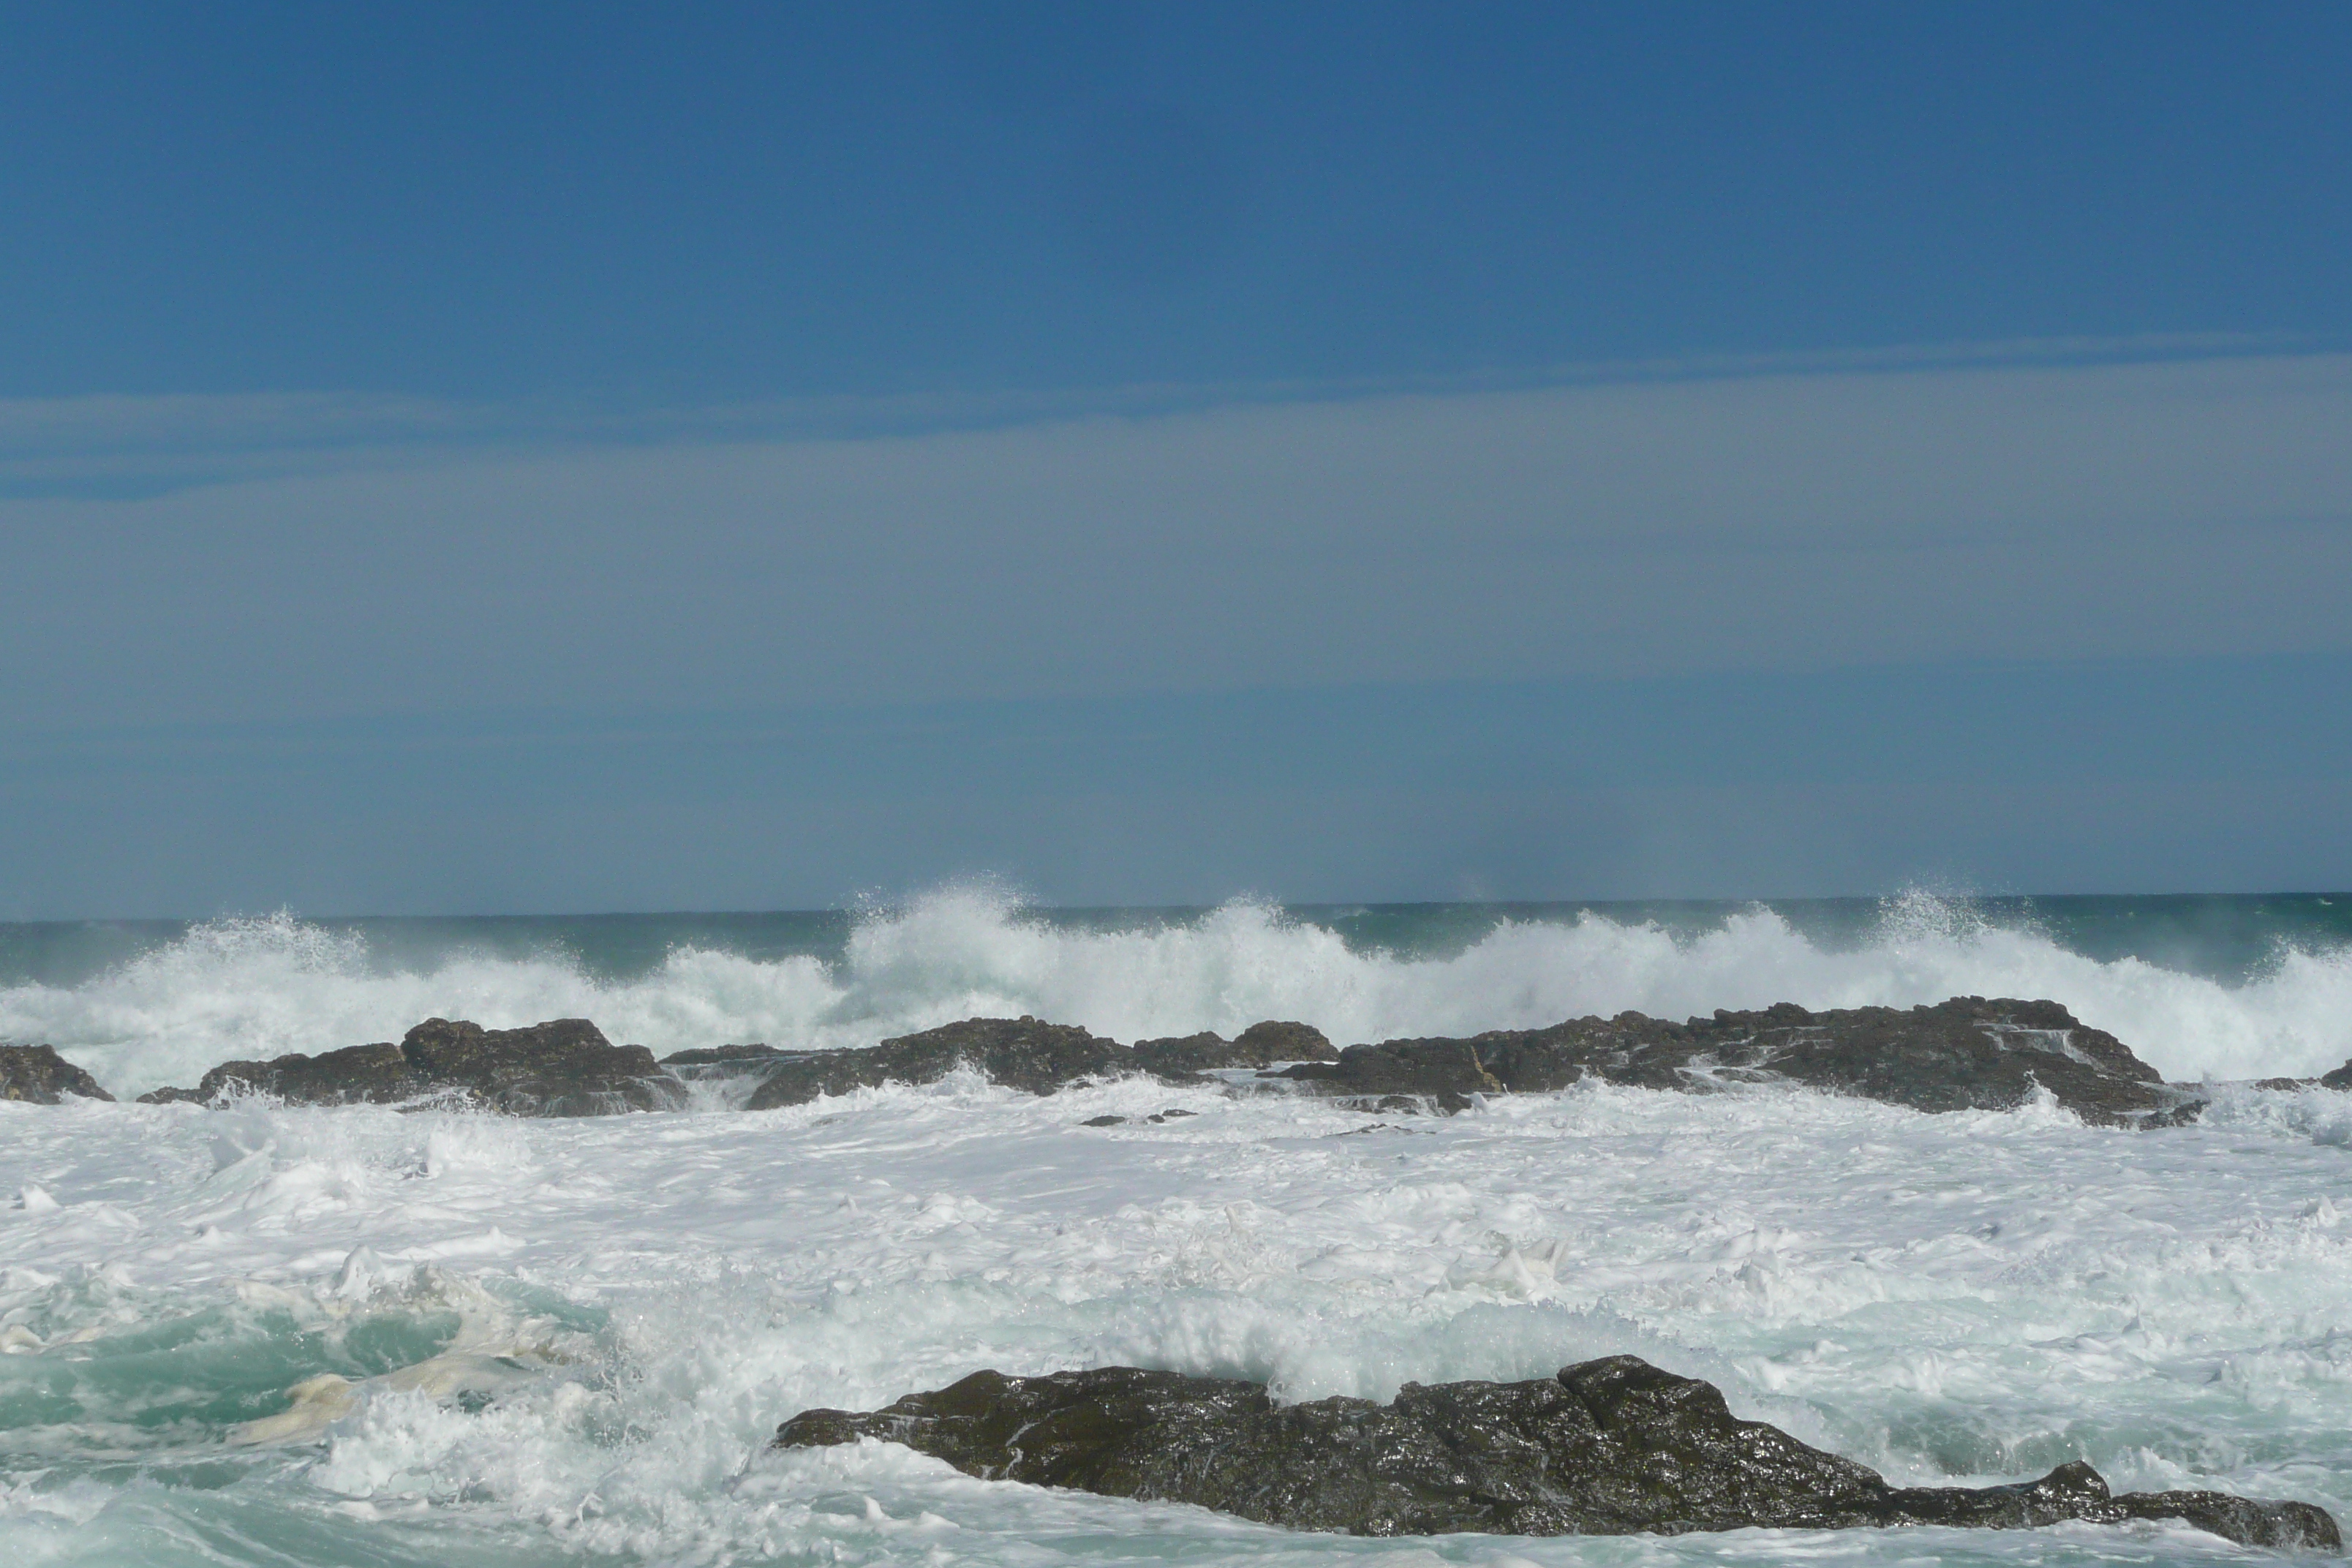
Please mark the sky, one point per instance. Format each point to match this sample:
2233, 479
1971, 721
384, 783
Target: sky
532, 458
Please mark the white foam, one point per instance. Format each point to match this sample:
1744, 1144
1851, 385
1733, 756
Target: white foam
257, 988
1971, 1295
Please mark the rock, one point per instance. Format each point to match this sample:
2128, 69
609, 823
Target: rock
1181, 1056
729, 1065
1275, 1040
1157, 1118
1965, 1053
563, 1067
1607, 1448
1259, 1045
719, 1055
2340, 1078
37, 1073
1019, 1053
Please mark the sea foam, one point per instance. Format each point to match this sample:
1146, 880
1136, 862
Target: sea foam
259, 987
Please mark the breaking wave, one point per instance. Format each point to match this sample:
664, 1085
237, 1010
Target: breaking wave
263, 987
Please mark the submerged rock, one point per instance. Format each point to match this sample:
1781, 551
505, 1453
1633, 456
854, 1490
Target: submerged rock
562, 1068
1965, 1053
1607, 1448
37, 1073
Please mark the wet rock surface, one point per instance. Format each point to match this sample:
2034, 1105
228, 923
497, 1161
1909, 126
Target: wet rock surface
1026, 1054
2340, 1078
1607, 1448
1261, 1045
1019, 1053
1157, 1118
37, 1074
1965, 1053
562, 1068
722, 1056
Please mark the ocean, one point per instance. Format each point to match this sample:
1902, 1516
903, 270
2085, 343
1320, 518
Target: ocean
568, 1341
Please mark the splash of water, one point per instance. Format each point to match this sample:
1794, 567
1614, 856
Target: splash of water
259, 987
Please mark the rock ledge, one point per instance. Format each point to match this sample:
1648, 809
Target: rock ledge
1967, 1054
37, 1074
562, 1068
1607, 1448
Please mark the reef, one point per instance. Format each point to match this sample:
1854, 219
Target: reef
1967, 1054
562, 1068
1265, 1044
38, 1075
1024, 1054
1607, 1448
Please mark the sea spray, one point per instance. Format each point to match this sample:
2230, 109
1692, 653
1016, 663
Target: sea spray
1958, 1299
260, 987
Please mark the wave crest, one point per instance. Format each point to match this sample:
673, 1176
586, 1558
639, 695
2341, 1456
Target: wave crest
264, 986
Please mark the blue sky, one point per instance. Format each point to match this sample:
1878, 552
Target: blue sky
723, 203
536, 458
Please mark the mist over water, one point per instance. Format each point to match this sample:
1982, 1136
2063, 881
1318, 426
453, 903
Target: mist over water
2219, 988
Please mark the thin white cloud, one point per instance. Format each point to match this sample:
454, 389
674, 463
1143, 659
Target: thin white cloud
195, 439
1757, 519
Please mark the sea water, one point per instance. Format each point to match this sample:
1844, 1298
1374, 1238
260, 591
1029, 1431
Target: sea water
274, 1336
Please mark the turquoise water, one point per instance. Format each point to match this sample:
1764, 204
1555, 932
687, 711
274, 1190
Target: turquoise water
263, 1335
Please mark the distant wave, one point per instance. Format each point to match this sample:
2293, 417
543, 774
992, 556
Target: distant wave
260, 987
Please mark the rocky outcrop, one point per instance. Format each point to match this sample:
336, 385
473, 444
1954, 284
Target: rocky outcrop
722, 1057
2340, 1078
563, 1067
733, 1065
1019, 1053
37, 1074
1965, 1053
1607, 1448
1968, 1053
1026, 1053
1259, 1045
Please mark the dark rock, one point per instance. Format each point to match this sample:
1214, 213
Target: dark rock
1607, 1448
1259, 1045
563, 1067
2290, 1083
1277, 1040
1104, 1121
718, 1055
1019, 1053
1965, 1053
37, 1073
2340, 1078
1183, 1056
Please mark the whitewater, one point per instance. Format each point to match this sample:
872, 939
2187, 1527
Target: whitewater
265, 1335
244, 988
